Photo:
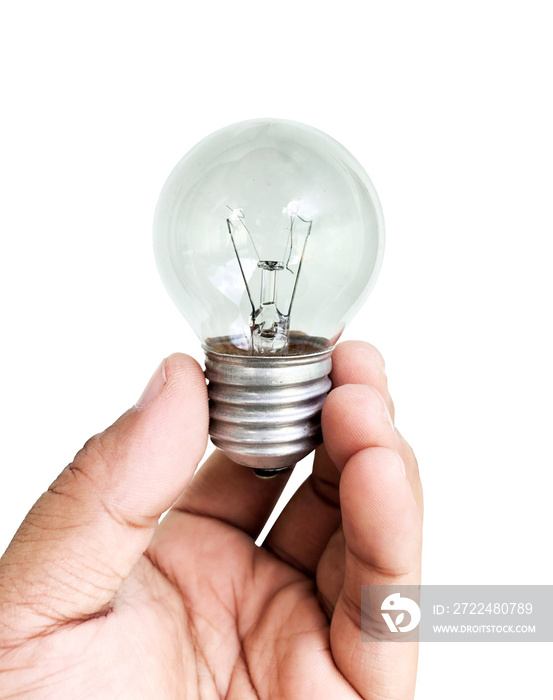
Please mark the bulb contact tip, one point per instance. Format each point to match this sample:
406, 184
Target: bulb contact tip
270, 473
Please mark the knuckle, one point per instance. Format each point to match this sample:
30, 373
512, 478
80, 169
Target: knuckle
79, 479
363, 352
94, 456
363, 396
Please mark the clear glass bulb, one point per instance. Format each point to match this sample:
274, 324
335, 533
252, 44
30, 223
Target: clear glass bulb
265, 232
268, 236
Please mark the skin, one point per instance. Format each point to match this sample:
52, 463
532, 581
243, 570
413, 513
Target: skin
98, 600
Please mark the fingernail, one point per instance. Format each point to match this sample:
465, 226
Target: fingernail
387, 414
154, 386
390, 419
401, 465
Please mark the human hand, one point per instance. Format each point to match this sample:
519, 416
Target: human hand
99, 601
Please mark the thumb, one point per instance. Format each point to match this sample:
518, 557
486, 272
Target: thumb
84, 535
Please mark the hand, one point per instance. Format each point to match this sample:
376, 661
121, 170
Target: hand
99, 601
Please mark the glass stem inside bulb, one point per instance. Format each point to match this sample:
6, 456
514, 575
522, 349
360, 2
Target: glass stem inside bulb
269, 326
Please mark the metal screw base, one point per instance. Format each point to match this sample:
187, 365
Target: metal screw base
265, 411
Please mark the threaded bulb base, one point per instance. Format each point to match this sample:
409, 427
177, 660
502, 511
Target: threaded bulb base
265, 411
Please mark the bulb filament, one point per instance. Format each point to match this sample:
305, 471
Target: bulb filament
269, 326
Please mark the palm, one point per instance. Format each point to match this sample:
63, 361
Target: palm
243, 625
98, 601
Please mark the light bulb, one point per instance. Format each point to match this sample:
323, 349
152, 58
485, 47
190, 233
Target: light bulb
268, 236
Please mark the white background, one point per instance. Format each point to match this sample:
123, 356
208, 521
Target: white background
449, 108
